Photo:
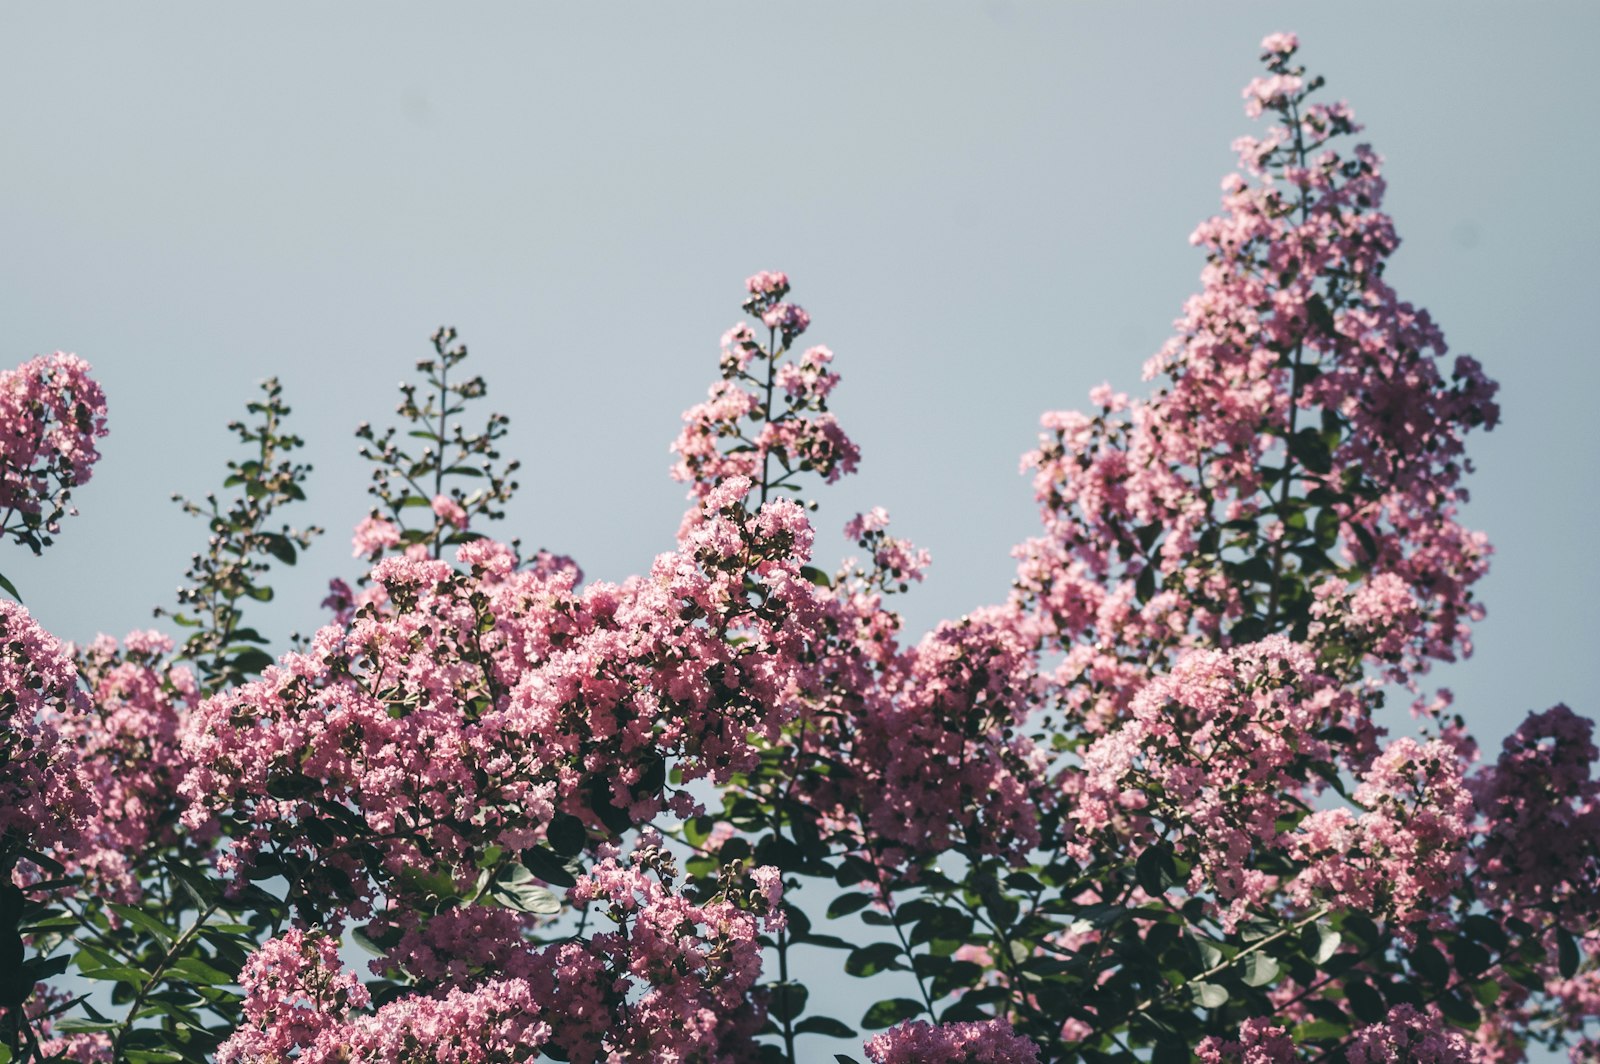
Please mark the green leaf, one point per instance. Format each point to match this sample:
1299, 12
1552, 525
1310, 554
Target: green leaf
1431, 964
1327, 945
116, 974
1320, 1031
1209, 995
1566, 953
251, 660
278, 546
1259, 969
1154, 870
1310, 450
1486, 930
429, 884
514, 888
1459, 1009
816, 576
889, 1012
847, 903
145, 922
41, 968
1365, 1002
870, 960
1320, 315
548, 867
1471, 959
49, 864
826, 1026
566, 834
788, 1000
197, 971
1170, 1051
11, 589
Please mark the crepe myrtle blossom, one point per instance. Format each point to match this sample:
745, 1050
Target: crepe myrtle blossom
1300, 463
449, 511
672, 980
1407, 1036
373, 536
1216, 752
128, 744
300, 1005
47, 796
1540, 803
51, 413
919, 1042
767, 419
1260, 1042
469, 705
1404, 850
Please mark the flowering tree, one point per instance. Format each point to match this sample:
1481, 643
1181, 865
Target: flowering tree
1146, 808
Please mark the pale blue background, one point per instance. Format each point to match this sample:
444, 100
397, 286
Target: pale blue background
984, 206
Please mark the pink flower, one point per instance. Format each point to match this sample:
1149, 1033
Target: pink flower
767, 284
874, 520
373, 536
51, 414
449, 511
919, 1042
1407, 1036
46, 795
1261, 1041
1280, 43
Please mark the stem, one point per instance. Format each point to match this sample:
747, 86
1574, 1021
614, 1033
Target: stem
772, 369
905, 947
150, 984
1216, 969
438, 468
783, 994
1293, 115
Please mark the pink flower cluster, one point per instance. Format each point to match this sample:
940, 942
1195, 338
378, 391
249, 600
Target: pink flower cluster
919, 1042
739, 430
1407, 1036
373, 536
937, 758
1261, 1041
895, 562
1405, 851
1540, 847
686, 971
1218, 504
300, 1005
1215, 753
675, 980
47, 798
128, 743
461, 710
51, 413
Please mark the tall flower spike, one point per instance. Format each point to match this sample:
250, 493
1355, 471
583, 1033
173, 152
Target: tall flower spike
1299, 469
767, 419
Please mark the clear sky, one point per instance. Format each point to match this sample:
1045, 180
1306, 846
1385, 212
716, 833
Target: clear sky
984, 206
